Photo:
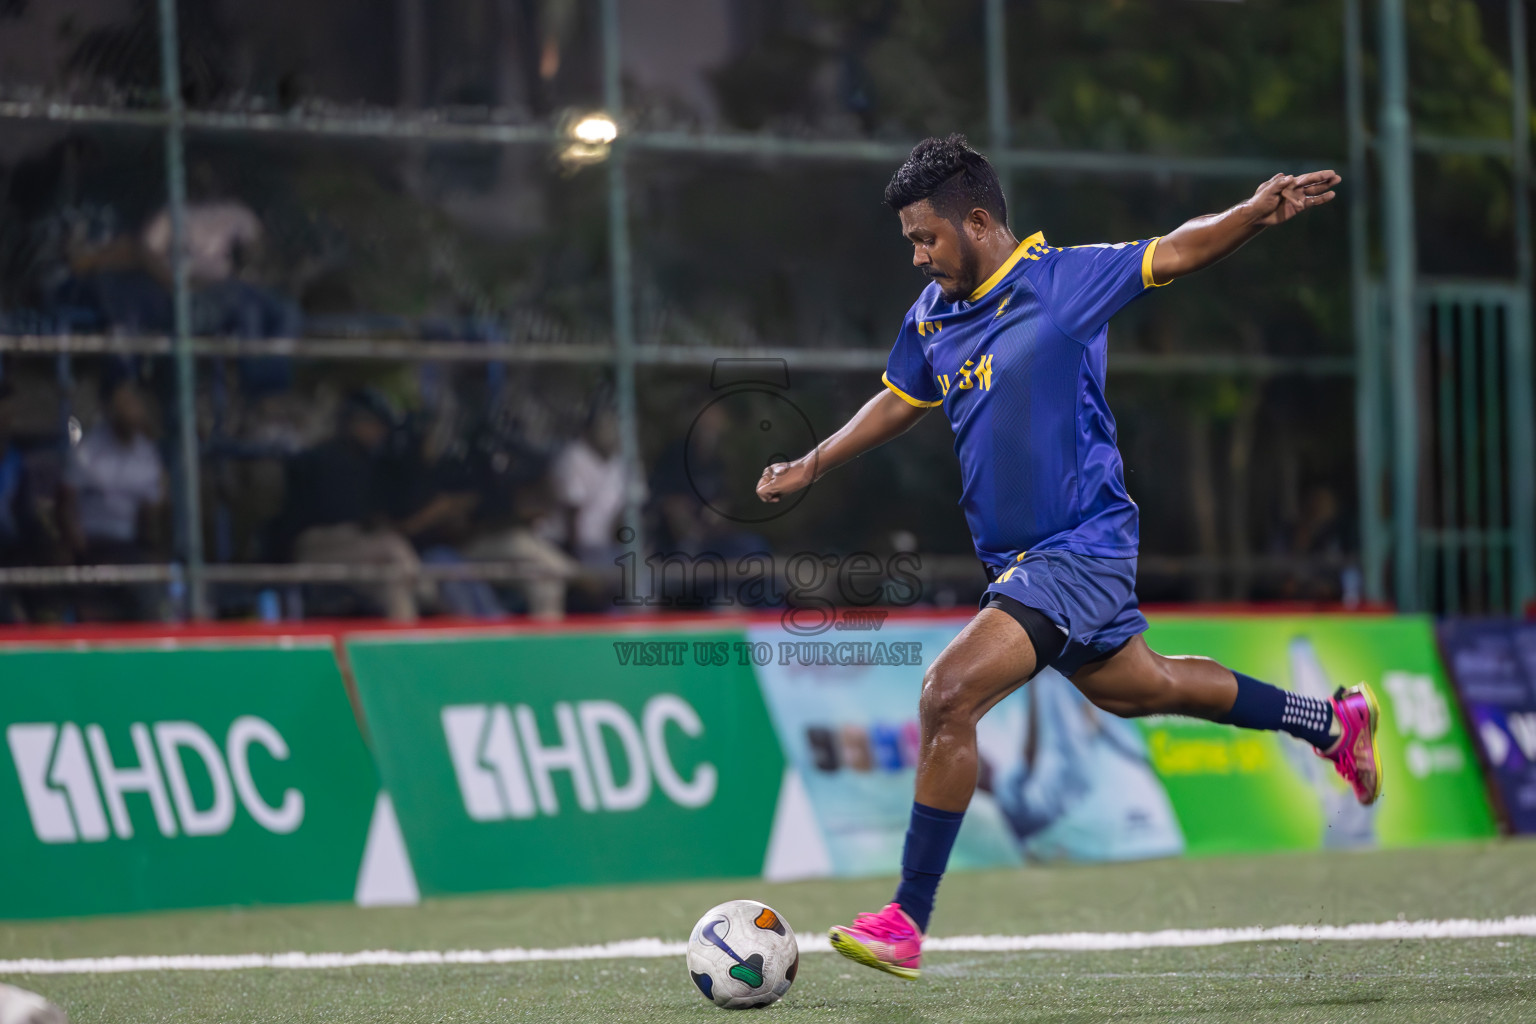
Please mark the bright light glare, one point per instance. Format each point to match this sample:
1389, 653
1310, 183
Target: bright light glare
595, 130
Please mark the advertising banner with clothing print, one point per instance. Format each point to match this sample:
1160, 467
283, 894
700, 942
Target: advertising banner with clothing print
1060, 779
1494, 666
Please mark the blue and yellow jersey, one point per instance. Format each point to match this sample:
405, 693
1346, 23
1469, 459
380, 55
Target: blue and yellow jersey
1019, 368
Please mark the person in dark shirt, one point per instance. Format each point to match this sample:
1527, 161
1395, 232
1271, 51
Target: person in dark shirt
20, 529
432, 499
691, 487
336, 514
22, 537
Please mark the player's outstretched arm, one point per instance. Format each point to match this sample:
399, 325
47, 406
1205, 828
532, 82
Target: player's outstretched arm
1198, 243
883, 417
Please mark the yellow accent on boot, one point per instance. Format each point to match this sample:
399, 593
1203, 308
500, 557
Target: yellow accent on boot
859, 953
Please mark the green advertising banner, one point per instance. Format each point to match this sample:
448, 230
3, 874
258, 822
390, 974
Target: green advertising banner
1063, 780
148, 778
1237, 790
576, 757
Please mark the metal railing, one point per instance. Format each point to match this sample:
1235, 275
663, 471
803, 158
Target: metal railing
833, 359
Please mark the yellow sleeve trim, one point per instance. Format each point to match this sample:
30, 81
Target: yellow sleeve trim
1146, 266
906, 397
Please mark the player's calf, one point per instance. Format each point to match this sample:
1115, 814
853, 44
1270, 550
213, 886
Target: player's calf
1135, 681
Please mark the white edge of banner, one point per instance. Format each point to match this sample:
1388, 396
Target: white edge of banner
386, 878
796, 847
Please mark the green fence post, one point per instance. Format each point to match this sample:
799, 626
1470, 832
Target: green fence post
997, 93
1522, 455
1368, 459
186, 372
1396, 152
1477, 543
622, 283
1449, 534
1522, 446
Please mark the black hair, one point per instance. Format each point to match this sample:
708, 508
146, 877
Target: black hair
599, 404
372, 403
952, 176
117, 373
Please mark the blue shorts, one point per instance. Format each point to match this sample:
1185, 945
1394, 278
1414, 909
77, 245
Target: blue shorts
1091, 600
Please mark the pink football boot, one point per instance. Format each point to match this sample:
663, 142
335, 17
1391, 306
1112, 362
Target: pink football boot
1354, 756
887, 941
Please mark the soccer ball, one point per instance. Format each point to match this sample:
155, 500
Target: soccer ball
742, 954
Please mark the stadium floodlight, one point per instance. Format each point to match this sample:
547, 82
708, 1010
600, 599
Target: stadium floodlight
587, 139
595, 130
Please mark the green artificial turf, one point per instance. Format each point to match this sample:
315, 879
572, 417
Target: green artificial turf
1393, 982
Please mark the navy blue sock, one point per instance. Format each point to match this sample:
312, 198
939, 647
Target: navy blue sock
930, 837
1261, 706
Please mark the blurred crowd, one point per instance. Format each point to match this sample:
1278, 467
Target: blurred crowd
382, 499
345, 480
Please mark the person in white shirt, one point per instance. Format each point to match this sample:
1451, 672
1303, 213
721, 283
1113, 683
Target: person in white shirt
586, 483
113, 496
590, 483
215, 233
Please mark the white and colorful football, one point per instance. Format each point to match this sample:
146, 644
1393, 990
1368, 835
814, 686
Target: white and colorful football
742, 955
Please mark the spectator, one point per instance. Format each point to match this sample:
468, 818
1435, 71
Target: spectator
222, 240
112, 502
19, 529
335, 514
432, 499
691, 485
118, 285
511, 478
21, 534
1316, 539
222, 245
589, 481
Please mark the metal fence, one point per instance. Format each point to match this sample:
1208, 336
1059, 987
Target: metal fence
1387, 373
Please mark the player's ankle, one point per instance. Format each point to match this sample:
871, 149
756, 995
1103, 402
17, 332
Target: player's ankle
1335, 737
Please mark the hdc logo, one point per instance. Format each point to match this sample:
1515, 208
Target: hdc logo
65, 803
504, 770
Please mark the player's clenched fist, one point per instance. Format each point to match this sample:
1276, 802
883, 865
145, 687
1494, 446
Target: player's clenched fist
783, 478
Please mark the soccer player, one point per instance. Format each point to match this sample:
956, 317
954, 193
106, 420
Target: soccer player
1009, 338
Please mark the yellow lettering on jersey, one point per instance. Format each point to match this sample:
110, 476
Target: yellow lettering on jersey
927, 327
965, 381
984, 372
1002, 306
943, 379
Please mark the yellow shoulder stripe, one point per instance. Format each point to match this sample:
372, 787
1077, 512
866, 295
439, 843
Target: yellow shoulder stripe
1146, 265
906, 397
1038, 238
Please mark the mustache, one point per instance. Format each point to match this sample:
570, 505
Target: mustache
933, 273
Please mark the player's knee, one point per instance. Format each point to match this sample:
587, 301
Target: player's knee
945, 702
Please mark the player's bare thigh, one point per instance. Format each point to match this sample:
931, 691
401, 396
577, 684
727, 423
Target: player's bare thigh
991, 658
1136, 681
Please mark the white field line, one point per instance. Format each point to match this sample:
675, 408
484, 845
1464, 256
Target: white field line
642, 949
